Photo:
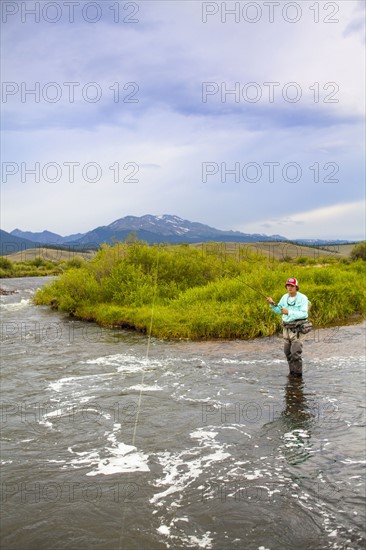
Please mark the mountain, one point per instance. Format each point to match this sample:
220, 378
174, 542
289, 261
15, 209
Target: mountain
152, 229
45, 237
11, 243
166, 228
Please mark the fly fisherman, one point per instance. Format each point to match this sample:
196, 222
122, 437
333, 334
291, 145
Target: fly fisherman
294, 309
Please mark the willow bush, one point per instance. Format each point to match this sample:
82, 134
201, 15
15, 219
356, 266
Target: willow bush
184, 292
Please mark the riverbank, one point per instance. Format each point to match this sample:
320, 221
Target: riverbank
181, 293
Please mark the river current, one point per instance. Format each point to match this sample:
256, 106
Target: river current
114, 441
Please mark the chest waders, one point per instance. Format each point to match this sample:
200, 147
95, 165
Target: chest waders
293, 340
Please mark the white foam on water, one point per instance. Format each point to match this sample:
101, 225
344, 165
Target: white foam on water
181, 469
233, 427
144, 387
17, 305
173, 374
77, 380
124, 458
130, 369
57, 413
87, 398
56, 386
69, 411
119, 457
227, 361
82, 459
204, 542
349, 461
126, 363
192, 541
164, 530
255, 475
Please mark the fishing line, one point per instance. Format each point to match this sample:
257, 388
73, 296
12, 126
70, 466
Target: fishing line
140, 393
148, 348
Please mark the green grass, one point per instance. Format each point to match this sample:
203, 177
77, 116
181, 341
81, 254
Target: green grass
37, 267
182, 292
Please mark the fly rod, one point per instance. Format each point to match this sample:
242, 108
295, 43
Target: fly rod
246, 284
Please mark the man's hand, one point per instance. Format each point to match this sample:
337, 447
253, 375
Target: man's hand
284, 310
270, 301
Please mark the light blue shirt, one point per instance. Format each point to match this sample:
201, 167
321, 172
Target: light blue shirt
297, 307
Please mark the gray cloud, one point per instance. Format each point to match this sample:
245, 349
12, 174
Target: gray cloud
170, 132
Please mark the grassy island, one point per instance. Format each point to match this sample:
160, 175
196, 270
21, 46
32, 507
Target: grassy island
179, 291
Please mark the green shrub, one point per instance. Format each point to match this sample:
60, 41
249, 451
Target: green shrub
75, 286
305, 260
6, 264
38, 262
358, 252
75, 262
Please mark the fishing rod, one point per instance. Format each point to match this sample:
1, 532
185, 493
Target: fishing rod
246, 284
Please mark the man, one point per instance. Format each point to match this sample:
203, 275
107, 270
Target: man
294, 308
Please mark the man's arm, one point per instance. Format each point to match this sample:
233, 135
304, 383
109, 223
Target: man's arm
277, 308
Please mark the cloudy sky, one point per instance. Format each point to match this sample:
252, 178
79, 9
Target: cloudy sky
241, 115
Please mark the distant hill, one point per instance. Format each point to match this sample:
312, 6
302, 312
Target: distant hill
152, 229
45, 237
11, 243
50, 254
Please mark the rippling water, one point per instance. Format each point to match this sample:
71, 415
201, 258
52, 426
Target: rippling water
109, 443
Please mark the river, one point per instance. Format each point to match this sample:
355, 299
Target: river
111, 441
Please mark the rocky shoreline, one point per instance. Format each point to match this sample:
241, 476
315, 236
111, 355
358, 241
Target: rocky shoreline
5, 292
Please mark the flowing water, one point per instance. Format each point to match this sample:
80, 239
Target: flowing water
114, 442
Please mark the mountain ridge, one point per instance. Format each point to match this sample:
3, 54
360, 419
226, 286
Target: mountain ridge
161, 228
157, 229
